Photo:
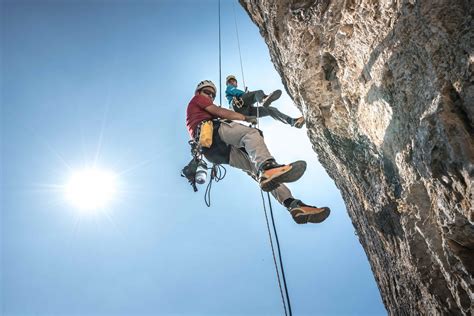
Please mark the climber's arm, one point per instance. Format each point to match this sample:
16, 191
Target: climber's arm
224, 113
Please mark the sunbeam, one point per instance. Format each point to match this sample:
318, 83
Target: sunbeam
91, 189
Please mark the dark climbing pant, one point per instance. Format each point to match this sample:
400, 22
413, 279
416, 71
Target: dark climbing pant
250, 98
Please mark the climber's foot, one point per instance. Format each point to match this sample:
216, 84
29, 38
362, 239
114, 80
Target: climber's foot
271, 97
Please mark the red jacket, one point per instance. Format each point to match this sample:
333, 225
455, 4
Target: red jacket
196, 113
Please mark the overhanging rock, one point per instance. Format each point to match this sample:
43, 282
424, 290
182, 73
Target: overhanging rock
387, 90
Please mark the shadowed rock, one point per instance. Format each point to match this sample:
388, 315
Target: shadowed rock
387, 90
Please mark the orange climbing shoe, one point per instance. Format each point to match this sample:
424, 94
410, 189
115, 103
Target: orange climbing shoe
303, 213
299, 122
271, 174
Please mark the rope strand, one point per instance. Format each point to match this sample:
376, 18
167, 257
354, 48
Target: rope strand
279, 254
220, 56
216, 174
273, 252
238, 44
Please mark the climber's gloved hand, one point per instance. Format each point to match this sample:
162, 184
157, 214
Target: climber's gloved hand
251, 119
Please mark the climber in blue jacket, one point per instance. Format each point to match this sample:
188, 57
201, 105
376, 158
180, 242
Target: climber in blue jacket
243, 102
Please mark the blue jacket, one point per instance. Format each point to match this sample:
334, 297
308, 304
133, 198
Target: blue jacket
231, 92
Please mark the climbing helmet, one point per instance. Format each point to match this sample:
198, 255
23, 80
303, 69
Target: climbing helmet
230, 77
206, 83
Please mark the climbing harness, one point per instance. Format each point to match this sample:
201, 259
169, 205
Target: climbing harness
237, 102
219, 152
208, 144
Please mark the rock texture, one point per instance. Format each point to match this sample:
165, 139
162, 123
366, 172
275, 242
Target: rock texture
387, 90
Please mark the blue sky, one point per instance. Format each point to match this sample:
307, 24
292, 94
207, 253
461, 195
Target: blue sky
107, 83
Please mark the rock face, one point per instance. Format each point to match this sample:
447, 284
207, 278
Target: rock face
387, 90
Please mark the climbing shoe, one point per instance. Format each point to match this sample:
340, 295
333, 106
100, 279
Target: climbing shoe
271, 174
298, 122
271, 97
303, 213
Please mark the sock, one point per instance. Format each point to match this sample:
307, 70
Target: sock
287, 202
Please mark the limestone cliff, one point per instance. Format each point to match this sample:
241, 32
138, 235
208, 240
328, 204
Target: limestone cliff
387, 90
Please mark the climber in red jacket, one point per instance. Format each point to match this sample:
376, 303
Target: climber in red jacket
243, 147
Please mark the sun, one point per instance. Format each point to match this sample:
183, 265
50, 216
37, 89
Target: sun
91, 189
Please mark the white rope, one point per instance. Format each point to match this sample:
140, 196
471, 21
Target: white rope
268, 195
220, 55
238, 44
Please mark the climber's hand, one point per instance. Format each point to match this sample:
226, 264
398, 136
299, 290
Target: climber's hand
251, 119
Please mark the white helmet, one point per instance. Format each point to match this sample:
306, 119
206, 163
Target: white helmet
206, 83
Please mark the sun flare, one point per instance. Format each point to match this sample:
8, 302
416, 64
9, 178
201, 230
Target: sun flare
91, 189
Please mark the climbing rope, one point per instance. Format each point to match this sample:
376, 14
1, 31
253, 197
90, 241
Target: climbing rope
238, 44
279, 254
218, 171
220, 55
218, 175
281, 267
273, 252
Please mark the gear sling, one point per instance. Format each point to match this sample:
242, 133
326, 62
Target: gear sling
213, 148
208, 143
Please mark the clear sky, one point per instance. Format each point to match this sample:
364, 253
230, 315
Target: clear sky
106, 83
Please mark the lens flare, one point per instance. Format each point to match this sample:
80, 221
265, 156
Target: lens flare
91, 189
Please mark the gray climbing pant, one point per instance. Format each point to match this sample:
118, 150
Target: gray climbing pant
241, 136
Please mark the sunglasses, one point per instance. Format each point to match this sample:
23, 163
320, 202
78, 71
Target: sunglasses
209, 93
